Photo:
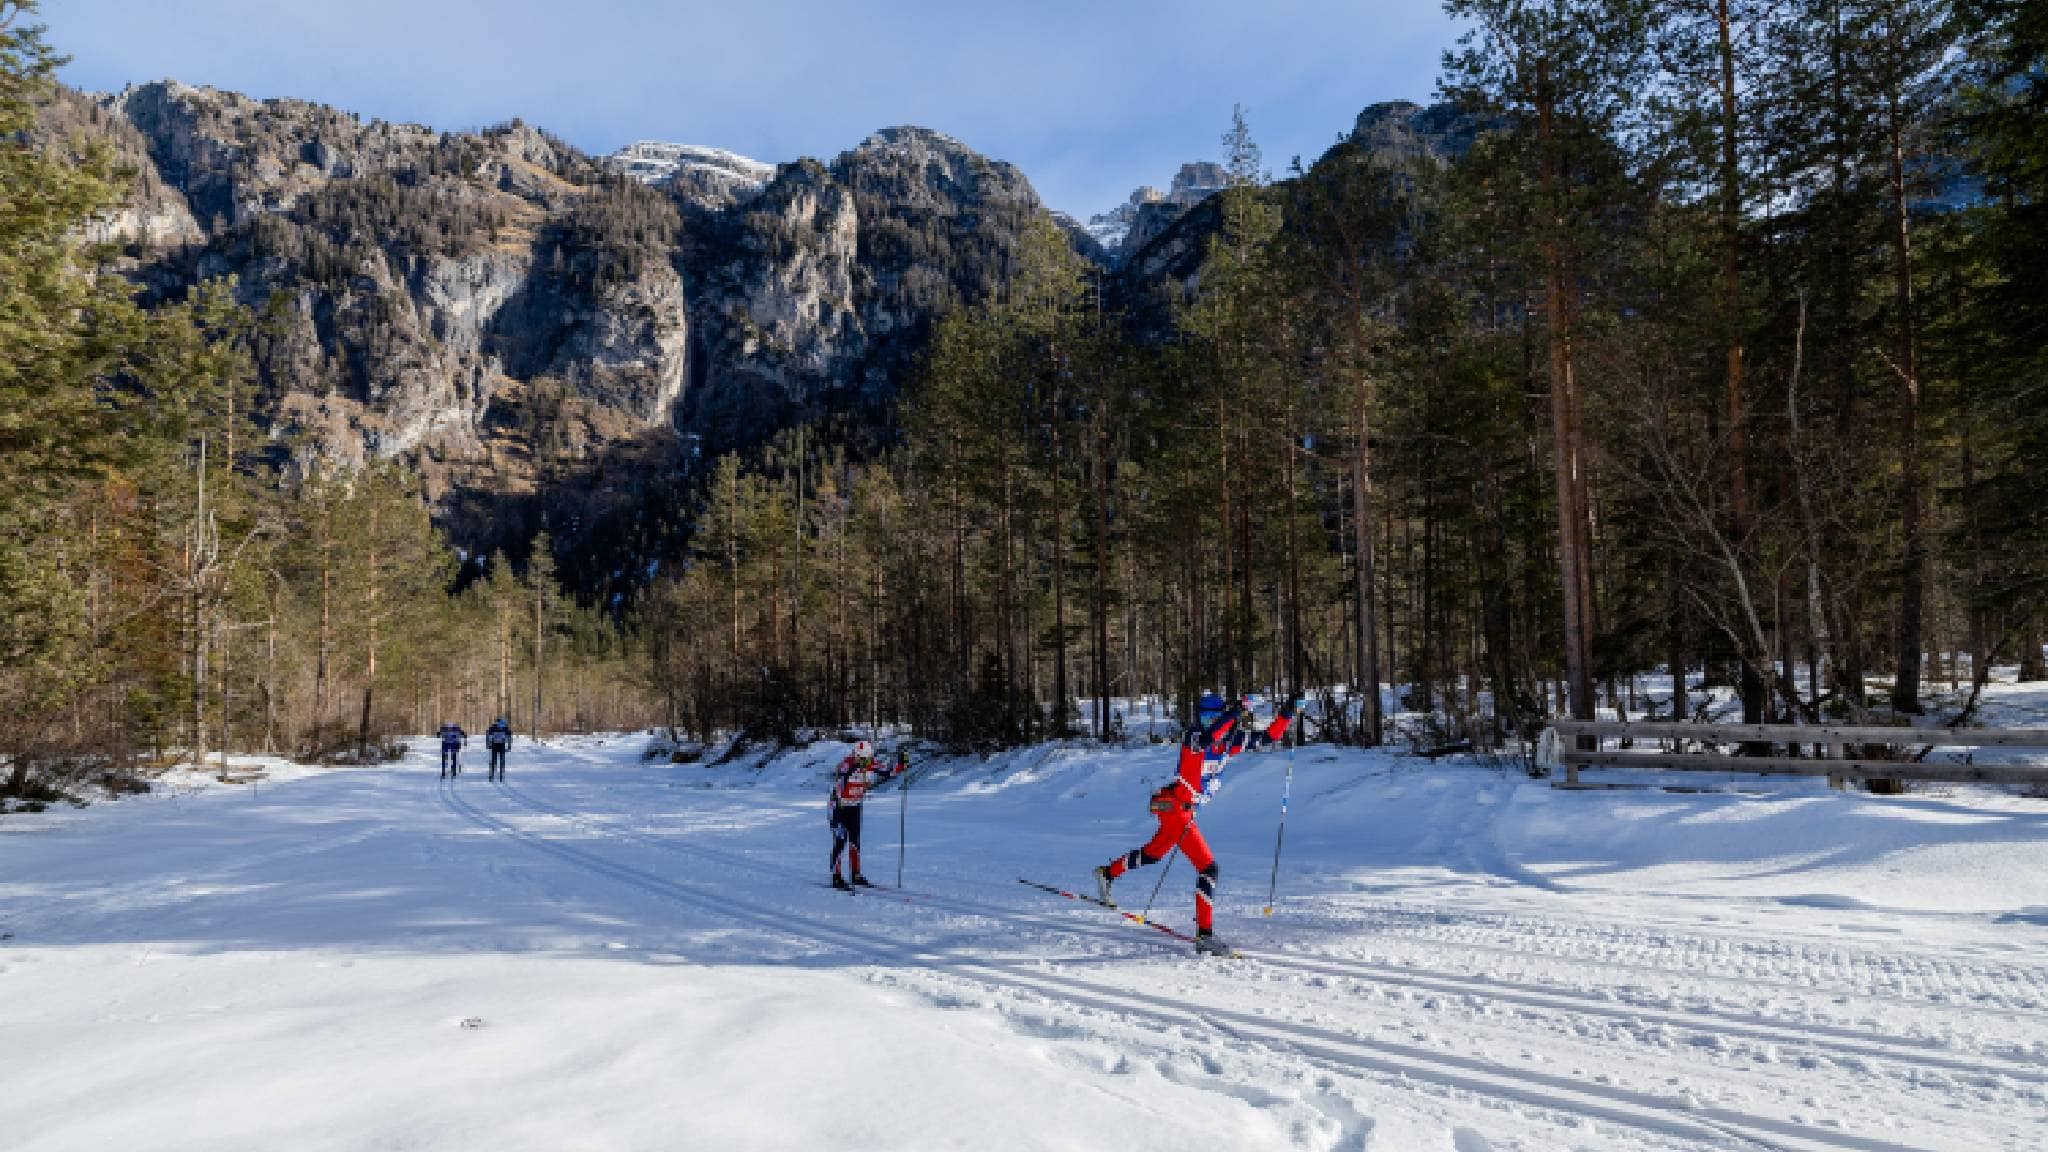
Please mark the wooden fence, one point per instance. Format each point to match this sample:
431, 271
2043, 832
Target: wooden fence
1839, 752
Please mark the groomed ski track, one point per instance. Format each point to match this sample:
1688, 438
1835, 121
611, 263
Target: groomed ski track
1429, 980
1273, 1032
1276, 1034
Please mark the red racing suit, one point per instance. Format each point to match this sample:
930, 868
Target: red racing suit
1203, 752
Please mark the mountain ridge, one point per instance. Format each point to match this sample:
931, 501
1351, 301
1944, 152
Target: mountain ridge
550, 337
523, 324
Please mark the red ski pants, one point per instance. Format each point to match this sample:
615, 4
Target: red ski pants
1178, 829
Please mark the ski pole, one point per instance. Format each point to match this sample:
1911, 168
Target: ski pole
902, 822
1286, 790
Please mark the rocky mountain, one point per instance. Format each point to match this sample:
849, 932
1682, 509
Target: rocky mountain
1403, 132
532, 329
1400, 134
547, 336
709, 176
1136, 222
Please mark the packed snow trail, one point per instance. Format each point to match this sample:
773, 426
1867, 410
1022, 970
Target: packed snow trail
605, 952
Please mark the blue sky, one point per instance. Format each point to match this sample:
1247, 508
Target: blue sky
1090, 99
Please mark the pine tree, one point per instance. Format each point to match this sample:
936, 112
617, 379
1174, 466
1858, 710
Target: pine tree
1565, 74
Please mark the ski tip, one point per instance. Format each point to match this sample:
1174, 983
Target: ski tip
1269, 909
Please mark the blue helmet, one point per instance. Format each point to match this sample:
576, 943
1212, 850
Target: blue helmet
1211, 706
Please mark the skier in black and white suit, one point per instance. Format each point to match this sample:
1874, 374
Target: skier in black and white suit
850, 784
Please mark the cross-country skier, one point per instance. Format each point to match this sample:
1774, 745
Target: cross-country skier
498, 738
452, 740
850, 784
1223, 731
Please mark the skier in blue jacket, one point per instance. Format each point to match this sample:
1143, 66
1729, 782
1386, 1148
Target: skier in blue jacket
498, 738
452, 740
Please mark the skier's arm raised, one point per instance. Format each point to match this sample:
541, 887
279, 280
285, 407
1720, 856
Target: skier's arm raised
1282, 721
1208, 777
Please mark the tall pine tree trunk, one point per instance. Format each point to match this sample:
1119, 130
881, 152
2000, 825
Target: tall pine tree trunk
505, 659
1101, 592
1567, 464
1294, 651
326, 640
540, 596
1365, 571
196, 575
1913, 569
2033, 666
370, 637
1062, 697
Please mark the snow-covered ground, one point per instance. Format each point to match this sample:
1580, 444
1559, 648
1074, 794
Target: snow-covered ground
607, 953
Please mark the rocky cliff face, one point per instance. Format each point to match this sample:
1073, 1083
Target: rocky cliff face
711, 177
1130, 226
534, 330
819, 296
1403, 132
512, 318
1154, 267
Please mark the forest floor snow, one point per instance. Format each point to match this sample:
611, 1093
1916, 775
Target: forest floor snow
611, 953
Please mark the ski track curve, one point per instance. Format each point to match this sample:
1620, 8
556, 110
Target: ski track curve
1922, 1051
1669, 1117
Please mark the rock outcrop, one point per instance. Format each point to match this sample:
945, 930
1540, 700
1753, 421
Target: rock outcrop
508, 316
1157, 262
1136, 222
710, 177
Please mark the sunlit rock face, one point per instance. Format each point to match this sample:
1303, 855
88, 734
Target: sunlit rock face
510, 318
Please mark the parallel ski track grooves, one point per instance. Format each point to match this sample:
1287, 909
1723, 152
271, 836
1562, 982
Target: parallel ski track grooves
1849, 1041
1566, 936
1643, 1111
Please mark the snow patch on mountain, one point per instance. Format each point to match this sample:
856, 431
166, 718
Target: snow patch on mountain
714, 171
1131, 225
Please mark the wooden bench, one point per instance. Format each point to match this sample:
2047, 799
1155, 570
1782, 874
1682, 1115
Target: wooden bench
1831, 757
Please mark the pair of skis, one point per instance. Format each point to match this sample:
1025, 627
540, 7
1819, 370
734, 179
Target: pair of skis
1133, 917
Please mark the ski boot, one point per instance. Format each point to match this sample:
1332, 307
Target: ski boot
860, 881
1206, 944
840, 883
1103, 881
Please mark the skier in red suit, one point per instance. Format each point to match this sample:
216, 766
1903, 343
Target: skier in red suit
1224, 731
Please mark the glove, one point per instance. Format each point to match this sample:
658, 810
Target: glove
1210, 787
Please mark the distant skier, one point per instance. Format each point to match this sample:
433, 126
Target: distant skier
498, 738
1222, 731
851, 782
452, 740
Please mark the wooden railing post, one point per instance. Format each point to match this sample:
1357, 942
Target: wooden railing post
1838, 751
